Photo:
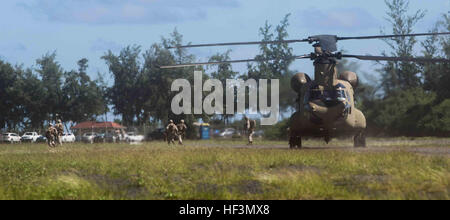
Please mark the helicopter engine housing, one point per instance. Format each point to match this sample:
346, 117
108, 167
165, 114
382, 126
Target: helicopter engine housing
298, 81
350, 77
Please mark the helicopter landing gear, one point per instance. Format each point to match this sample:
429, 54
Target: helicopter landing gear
295, 142
359, 140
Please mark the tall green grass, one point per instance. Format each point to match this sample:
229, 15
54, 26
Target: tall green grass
215, 170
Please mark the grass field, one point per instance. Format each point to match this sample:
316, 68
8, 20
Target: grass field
388, 169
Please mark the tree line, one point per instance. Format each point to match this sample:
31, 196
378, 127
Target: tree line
411, 99
140, 94
407, 99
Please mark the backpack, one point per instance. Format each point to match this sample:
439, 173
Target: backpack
59, 128
252, 124
181, 127
48, 134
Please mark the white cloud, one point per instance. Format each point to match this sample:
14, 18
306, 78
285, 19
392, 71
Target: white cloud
115, 11
344, 19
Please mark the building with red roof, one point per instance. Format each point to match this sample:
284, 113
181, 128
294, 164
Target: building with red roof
98, 127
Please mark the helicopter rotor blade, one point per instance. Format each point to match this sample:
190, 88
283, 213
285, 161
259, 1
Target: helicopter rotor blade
237, 43
410, 59
309, 39
391, 36
227, 62
205, 63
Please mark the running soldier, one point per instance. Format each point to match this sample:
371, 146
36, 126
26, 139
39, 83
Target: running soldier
181, 131
60, 131
249, 128
50, 134
172, 132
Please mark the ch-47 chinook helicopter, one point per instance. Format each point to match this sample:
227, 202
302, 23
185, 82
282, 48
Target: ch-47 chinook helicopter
326, 105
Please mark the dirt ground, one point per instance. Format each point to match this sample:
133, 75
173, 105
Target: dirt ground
420, 146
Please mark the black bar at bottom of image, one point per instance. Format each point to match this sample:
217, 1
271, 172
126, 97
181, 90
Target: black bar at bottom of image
218, 209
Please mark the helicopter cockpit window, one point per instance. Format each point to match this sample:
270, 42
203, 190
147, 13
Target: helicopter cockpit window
315, 93
330, 97
340, 94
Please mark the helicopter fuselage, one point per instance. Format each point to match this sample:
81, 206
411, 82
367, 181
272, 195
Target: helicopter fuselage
319, 117
326, 105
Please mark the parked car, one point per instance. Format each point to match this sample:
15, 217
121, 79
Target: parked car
133, 137
78, 138
258, 134
88, 137
41, 139
100, 138
68, 138
227, 133
236, 134
11, 138
112, 138
158, 134
29, 137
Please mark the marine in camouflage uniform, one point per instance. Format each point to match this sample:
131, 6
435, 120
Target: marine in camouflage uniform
60, 131
172, 132
181, 131
249, 128
50, 134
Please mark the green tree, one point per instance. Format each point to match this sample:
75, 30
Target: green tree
156, 82
437, 120
126, 70
400, 113
278, 67
51, 75
11, 108
7, 78
401, 75
281, 53
83, 98
288, 96
437, 75
32, 99
141, 92
224, 71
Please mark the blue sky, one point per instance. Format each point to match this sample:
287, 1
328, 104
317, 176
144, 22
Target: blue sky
88, 28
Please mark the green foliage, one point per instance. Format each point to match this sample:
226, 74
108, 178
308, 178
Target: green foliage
436, 76
437, 120
413, 99
281, 53
9, 110
126, 69
83, 98
401, 75
278, 131
51, 74
224, 72
156, 83
30, 98
400, 113
141, 93
288, 96
275, 61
